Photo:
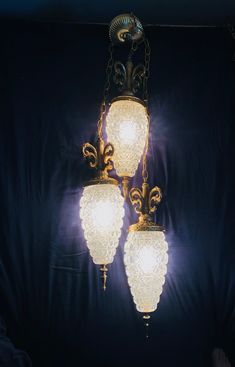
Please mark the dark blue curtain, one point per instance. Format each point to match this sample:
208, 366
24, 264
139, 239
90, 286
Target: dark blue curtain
51, 79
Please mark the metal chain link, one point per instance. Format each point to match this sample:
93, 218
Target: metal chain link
134, 45
144, 167
145, 98
147, 54
109, 69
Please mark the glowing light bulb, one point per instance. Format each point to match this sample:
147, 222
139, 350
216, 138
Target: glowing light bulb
103, 215
145, 259
101, 212
127, 127
127, 132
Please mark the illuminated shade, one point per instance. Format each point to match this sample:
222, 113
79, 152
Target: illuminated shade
146, 265
101, 212
127, 126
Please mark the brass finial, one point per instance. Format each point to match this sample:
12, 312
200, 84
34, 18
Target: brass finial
146, 319
104, 276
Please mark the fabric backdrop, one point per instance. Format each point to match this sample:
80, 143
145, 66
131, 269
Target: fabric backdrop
51, 79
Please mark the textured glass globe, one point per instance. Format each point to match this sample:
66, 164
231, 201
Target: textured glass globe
101, 212
127, 126
146, 265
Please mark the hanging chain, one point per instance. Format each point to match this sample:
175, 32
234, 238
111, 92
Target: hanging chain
145, 98
147, 54
144, 167
134, 45
109, 69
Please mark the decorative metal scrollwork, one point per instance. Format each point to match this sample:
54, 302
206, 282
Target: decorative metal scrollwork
129, 79
107, 156
155, 197
136, 199
100, 157
120, 75
145, 201
90, 152
137, 77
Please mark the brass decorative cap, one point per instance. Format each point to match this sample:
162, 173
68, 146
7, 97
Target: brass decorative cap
129, 98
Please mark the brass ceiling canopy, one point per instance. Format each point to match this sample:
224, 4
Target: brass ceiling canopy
126, 28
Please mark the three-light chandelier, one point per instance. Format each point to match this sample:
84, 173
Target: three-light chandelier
126, 121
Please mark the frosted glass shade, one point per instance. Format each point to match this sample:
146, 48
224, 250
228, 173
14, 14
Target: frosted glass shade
101, 212
127, 126
146, 265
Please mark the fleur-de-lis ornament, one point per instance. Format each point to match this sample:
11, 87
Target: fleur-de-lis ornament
128, 78
99, 158
145, 202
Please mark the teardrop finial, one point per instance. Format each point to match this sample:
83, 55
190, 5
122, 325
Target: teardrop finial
146, 319
104, 276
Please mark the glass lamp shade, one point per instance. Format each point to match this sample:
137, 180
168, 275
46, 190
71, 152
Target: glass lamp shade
146, 265
101, 212
127, 127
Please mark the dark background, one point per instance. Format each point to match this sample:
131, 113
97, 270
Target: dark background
51, 82
204, 12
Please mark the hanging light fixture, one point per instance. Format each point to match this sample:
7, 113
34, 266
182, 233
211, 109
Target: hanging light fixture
101, 204
127, 118
145, 250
